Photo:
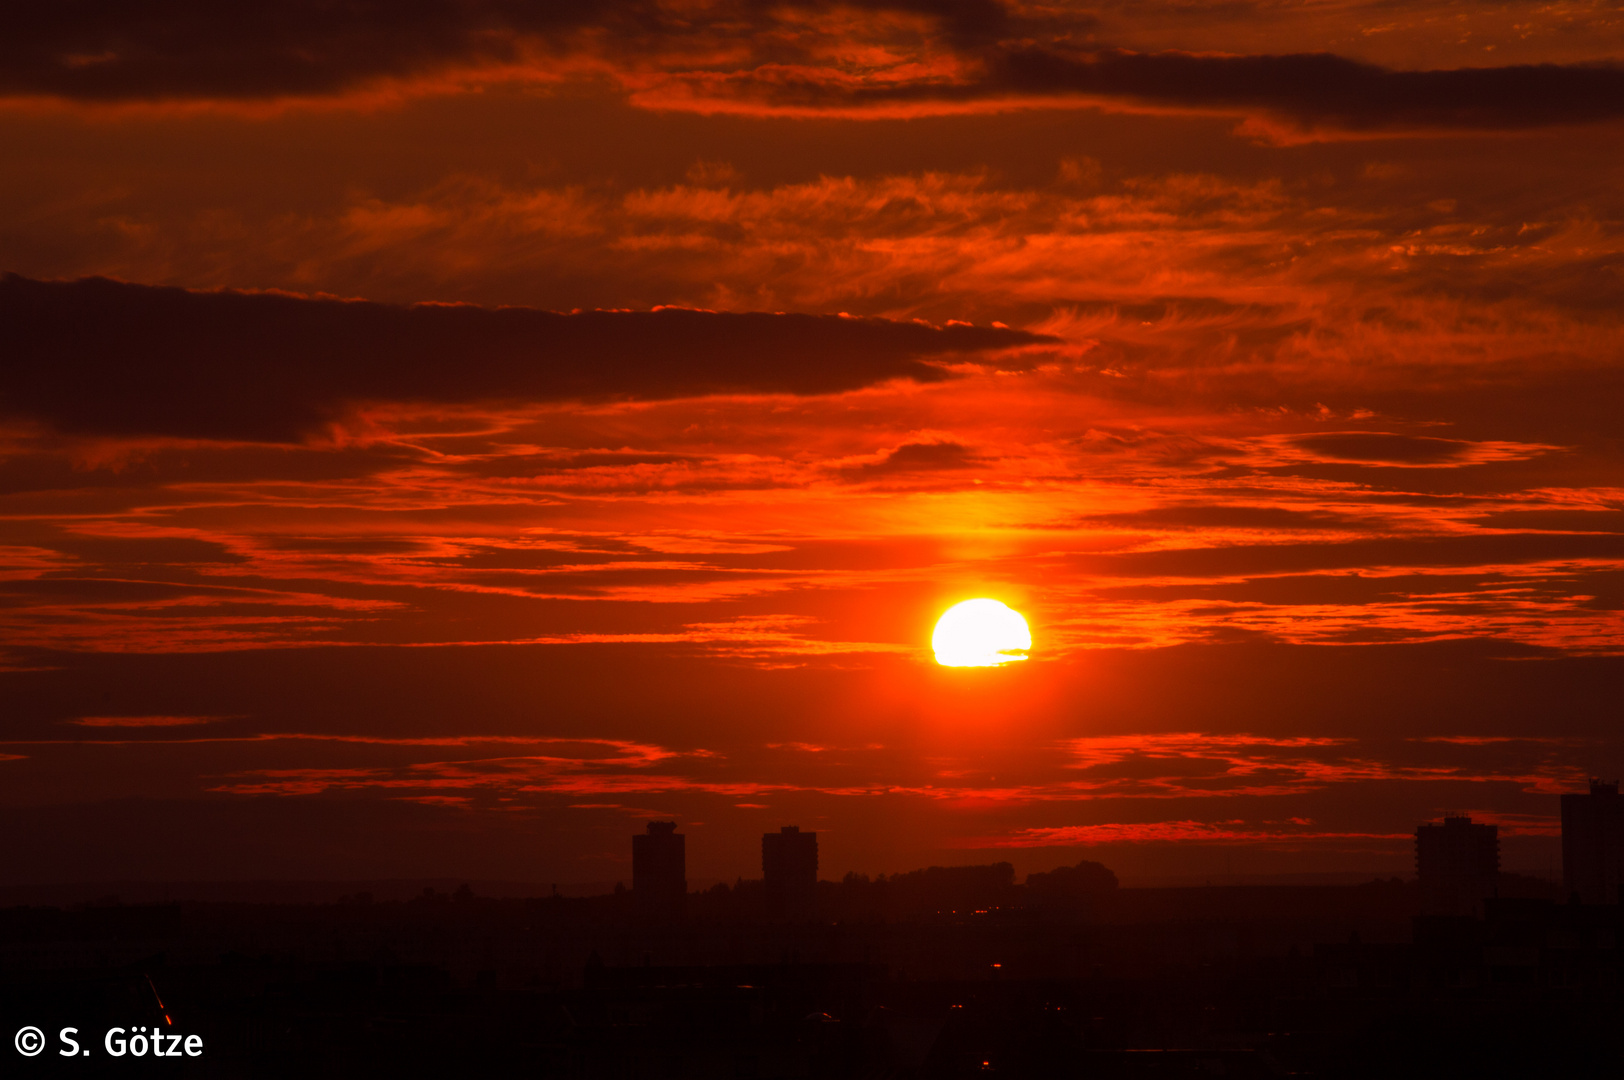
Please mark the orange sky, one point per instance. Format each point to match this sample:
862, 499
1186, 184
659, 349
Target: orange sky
1265, 355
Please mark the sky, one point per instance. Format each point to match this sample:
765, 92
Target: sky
438, 438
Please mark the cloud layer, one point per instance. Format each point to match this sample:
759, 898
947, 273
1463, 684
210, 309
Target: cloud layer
103, 357
1311, 92
872, 55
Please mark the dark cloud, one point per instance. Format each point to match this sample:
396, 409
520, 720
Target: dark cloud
101, 50
1383, 448
1484, 551
1606, 589
590, 580
164, 50
1218, 516
143, 550
521, 465
106, 590
344, 545
1319, 89
488, 558
919, 457
100, 356
120, 553
153, 50
1347, 589
51, 469
965, 23
1608, 521
1313, 90
1183, 308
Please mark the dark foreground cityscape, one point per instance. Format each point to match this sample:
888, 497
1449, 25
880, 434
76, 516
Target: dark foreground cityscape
1465, 971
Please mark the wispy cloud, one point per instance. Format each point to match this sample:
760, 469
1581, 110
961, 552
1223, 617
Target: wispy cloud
145, 721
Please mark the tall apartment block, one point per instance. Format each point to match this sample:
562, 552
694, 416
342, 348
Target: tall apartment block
789, 870
1593, 843
1457, 865
660, 872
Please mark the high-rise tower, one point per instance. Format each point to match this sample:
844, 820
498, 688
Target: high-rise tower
1457, 865
789, 870
660, 871
1593, 843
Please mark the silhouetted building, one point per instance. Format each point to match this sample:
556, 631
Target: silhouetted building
660, 871
789, 870
1593, 843
1456, 865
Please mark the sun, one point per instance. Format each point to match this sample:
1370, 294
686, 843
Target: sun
980, 633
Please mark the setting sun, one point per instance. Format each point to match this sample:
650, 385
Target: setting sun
980, 633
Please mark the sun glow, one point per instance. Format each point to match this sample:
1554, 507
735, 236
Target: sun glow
980, 633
